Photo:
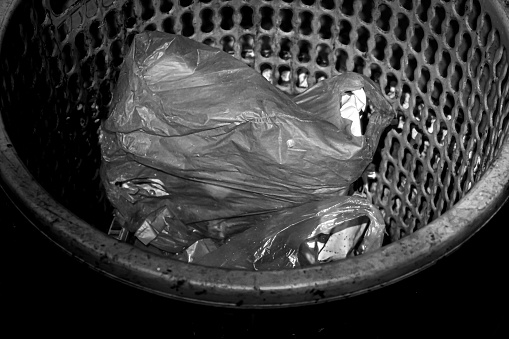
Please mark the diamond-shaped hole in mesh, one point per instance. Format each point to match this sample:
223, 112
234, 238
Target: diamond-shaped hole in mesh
402, 26
247, 17
322, 55
165, 6
452, 31
344, 32
380, 45
417, 37
147, 9
383, 21
304, 50
226, 18
422, 10
326, 23
207, 20
266, 22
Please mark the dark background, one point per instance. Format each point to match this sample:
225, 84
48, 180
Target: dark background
464, 294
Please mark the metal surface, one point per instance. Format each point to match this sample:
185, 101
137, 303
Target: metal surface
446, 166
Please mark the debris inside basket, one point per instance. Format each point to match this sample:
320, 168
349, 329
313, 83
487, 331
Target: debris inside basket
204, 159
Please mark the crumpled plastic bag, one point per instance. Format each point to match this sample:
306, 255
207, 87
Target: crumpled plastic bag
283, 241
199, 145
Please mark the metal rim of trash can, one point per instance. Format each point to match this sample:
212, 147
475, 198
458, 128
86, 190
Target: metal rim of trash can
238, 288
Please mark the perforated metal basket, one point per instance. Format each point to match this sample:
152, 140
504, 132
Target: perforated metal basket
441, 173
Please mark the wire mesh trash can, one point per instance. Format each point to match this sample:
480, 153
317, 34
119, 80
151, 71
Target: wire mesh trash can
441, 172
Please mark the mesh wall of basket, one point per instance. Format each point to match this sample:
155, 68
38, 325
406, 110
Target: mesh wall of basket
440, 173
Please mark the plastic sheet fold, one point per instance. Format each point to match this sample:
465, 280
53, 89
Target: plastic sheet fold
199, 145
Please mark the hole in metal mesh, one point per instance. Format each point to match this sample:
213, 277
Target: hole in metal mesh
435, 158
168, 25
67, 58
464, 47
422, 10
485, 30
322, 58
306, 19
475, 61
185, 3
151, 27
116, 53
247, 44
423, 80
86, 74
365, 14
266, 71
73, 87
449, 106
285, 49
266, 19
362, 39
376, 72
112, 25
81, 45
456, 77
397, 54
411, 67
308, 2
304, 48
209, 42
453, 30
226, 18
406, 4
319, 76
187, 24
385, 16
444, 63
474, 13
327, 4
100, 64
207, 20
228, 43
95, 33
302, 78
326, 23
438, 19
285, 76
483, 79
286, 16
147, 9
347, 7
460, 6
344, 32
400, 185
429, 53
359, 64
128, 14
105, 93
266, 46
380, 45
402, 26
341, 60
165, 6
405, 98
392, 83
416, 39
247, 17
437, 92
